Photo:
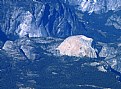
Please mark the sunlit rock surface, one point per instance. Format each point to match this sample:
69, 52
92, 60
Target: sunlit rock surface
7, 45
97, 6
26, 26
13, 51
114, 20
31, 48
112, 56
107, 51
79, 46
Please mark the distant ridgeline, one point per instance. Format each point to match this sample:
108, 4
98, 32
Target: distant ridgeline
61, 18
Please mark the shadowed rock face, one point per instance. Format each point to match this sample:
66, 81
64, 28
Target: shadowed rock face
59, 18
37, 19
79, 46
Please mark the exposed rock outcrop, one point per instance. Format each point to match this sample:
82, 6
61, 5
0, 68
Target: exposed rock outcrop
79, 46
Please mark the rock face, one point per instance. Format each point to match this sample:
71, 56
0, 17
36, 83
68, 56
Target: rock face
112, 55
79, 46
36, 19
7, 45
114, 20
26, 27
55, 18
13, 51
31, 49
97, 5
107, 51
